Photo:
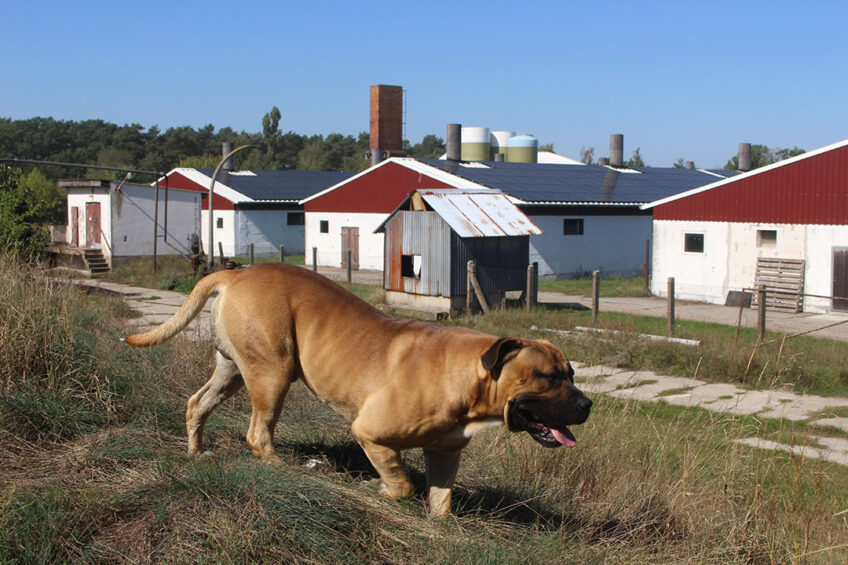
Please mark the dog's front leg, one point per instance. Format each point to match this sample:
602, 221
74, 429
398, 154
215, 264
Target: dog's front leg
388, 463
441, 473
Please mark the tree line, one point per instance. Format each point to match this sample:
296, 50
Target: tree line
133, 146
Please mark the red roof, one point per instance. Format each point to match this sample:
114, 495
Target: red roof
378, 191
808, 189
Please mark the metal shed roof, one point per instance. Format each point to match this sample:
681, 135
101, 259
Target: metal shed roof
479, 213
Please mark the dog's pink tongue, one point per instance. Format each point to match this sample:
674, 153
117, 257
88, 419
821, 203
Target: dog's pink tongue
565, 437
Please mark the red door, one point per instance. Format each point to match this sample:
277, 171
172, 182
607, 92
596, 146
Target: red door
92, 224
75, 226
350, 241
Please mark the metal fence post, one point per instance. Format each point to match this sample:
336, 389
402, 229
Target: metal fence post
315, 259
670, 328
647, 264
221, 251
282, 254
761, 318
596, 297
250, 252
349, 276
535, 286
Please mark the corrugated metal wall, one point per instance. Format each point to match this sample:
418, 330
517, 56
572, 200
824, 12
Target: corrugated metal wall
379, 191
808, 191
424, 234
501, 262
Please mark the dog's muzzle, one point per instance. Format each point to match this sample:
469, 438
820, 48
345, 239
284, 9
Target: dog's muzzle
547, 421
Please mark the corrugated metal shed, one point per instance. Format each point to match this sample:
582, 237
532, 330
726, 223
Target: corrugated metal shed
808, 189
479, 213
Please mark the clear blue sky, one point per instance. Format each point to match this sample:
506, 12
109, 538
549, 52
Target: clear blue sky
678, 79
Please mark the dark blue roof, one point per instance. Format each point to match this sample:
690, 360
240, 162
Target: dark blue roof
280, 185
535, 182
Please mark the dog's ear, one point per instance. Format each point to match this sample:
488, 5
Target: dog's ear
494, 357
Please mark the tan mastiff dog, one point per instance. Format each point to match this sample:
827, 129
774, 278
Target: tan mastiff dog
402, 383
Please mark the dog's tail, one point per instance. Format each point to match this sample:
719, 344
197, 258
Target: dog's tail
187, 312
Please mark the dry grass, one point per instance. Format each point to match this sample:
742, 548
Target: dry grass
648, 483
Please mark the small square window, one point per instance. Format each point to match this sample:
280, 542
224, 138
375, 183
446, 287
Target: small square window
294, 218
766, 238
325, 226
693, 243
410, 266
219, 223
572, 226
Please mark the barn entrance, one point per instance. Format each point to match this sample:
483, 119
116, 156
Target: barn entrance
840, 279
92, 224
350, 241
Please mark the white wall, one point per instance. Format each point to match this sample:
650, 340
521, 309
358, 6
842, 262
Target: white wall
330, 244
730, 257
132, 213
267, 230
614, 245
225, 234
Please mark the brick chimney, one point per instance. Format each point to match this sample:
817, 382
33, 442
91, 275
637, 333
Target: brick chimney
386, 121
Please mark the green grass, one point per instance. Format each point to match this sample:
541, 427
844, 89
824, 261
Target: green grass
292, 259
611, 287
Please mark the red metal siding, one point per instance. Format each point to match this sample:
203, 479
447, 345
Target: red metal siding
176, 180
809, 191
379, 191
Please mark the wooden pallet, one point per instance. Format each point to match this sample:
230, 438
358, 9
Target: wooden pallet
784, 282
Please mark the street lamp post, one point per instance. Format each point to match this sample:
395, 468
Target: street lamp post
211, 251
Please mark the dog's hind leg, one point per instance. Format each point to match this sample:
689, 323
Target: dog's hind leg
268, 383
224, 383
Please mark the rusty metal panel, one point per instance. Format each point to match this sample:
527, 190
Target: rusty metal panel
807, 191
393, 244
479, 213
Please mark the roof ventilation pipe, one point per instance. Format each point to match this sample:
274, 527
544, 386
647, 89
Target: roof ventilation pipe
616, 156
744, 157
689, 165
453, 143
226, 149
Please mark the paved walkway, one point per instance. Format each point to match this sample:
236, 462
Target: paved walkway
155, 306
782, 322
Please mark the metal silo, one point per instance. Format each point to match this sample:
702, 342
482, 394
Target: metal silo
499, 141
523, 149
475, 144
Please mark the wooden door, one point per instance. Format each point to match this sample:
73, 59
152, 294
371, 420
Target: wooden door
75, 226
840, 279
350, 241
92, 224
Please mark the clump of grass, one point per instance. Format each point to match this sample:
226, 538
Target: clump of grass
172, 273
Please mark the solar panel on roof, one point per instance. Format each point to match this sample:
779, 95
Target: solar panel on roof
534, 182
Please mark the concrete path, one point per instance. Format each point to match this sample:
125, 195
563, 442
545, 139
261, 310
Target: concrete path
782, 322
155, 306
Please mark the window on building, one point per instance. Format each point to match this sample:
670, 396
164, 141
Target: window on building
766, 238
410, 266
325, 226
219, 223
572, 226
693, 243
294, 218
